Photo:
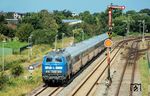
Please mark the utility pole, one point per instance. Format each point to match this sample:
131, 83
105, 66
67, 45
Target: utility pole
73, 36
3, 56
140, 23
63, 39
29, 47
143, 39
140, 28
82, 35
55, 42
128, 25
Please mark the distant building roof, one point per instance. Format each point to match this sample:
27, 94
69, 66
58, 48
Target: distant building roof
12, 21
71, 21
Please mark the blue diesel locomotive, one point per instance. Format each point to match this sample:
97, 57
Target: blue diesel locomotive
61, 65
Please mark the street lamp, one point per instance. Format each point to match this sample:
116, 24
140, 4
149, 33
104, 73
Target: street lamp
3, 55
128, 24
56, 41
29, 47
140, 23
82, 35
143, 39
73, 37
63, 39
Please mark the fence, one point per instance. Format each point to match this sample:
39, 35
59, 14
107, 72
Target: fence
7, 51
148, 56
10, 51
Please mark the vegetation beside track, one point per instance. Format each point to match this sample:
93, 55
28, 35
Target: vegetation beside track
145, 76
13, 44
22, 85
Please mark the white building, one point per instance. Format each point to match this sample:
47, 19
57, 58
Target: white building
18, 15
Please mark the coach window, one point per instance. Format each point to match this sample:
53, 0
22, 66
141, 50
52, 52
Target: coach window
49, 60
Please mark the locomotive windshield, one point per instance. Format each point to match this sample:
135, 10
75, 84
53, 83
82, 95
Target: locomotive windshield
49, 60
58, 59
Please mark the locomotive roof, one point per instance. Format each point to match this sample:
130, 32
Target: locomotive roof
76, 49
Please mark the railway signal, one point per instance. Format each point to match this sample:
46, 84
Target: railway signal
117, 7
110, 9
108, 43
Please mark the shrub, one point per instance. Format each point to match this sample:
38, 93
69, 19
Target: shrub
3, 80
17, 70
12, 60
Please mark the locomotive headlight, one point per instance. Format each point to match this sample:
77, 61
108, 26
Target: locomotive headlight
58, 67
48, 67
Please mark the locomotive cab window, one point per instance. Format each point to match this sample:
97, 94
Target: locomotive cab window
58, 59
49, 60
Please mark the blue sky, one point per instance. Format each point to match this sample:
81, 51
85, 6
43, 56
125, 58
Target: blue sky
72, 5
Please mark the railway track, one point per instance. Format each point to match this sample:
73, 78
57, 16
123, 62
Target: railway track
48, 91
53, 91
87, 85
127, 75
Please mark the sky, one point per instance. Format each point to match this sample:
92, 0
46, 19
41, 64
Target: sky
75, 6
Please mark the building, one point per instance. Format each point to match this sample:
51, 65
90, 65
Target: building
18, 15
72, 21
16, 18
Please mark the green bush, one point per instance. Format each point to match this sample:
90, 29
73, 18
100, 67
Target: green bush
12, 60
17, 70
3, 80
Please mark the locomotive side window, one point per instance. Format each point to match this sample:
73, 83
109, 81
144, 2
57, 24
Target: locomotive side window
49, 60
58, 59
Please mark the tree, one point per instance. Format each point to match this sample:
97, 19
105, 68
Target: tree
43, 36
147, 11
117, 13
63, 14
24, 31
9, 15
2, 19
120, 25
131, 12
67, 13
87, 17
6, 31
33, 19
47, 21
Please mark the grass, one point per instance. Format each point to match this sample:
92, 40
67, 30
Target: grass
21, 86
10, 60
66, 41
13, 44
145, 76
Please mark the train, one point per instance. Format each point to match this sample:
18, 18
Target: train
60, 66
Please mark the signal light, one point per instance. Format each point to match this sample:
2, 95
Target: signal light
109, 34
122, 7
